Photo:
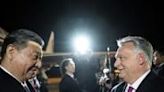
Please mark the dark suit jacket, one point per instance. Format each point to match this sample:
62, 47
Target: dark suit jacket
68, 84
160, 70
9, 84
152, 83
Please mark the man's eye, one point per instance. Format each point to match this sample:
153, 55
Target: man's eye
121, 58
35, 57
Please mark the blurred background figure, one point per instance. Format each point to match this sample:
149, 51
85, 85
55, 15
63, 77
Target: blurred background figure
102, 75
86, 67
105, 75
42, 78
158, 62
68, 82
3, 34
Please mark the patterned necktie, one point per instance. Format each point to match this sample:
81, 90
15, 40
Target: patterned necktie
130, 89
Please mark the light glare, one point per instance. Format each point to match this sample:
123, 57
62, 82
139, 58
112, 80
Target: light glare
82, 44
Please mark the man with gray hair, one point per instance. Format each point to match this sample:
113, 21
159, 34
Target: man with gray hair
133, 61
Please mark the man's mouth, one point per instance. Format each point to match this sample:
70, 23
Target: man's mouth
117, 71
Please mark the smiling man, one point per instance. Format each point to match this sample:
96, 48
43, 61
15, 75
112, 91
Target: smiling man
21, 59
134, 60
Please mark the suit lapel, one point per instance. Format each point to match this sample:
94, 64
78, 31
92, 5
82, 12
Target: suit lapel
120, 87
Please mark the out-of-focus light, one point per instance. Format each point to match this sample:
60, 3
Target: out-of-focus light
82, 44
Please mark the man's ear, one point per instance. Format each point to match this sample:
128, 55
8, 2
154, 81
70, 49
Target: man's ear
10, 51
141, 58
66, 68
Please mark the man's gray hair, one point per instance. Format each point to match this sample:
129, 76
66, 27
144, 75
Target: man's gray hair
141, 44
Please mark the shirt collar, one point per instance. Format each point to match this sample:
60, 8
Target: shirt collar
136, 84
71, 75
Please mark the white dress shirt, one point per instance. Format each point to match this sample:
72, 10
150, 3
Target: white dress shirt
136, 84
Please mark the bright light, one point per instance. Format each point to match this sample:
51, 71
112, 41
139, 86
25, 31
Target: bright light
82, 44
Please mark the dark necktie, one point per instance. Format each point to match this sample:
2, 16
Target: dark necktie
130, 89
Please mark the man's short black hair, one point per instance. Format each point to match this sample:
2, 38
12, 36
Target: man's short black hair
20, 38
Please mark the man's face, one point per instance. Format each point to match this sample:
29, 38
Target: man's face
71, 67
157, 58
29, 60
126, 61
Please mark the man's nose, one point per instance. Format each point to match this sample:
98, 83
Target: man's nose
117, 63
39, 64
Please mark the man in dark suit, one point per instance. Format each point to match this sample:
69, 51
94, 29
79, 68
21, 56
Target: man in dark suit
20, 59
133, 61
68, 82
158, 62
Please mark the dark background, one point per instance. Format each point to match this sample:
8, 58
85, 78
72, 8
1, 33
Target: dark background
104, 21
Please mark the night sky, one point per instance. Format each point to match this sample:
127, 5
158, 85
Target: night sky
104, 21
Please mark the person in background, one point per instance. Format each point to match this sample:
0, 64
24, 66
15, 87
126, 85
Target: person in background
158, 62
133, 61
3, 34
20, 59
102, 75
68, 82
87, 81
39, 82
